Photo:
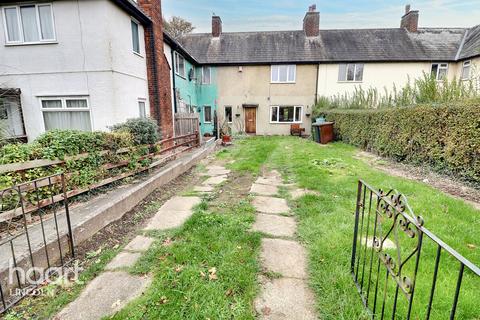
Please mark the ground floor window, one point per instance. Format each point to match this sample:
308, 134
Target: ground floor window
66, 113
141, 109
207, 114
228, 113
439, 71
279, 114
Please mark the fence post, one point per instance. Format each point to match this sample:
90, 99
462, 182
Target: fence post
67, 214
355, 231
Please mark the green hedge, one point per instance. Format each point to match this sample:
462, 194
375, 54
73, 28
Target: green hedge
446, 138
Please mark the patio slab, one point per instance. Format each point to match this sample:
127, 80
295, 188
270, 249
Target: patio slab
285, 257
178, 203
286, 298
277, 226
263, 189
215, 180
124, 259
104, 296
139, 243
270, 181
270, 205
168, 219
203, 188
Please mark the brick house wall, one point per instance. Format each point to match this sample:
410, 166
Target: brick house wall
158, 70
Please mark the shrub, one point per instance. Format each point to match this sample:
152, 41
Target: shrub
446, 138
143, 130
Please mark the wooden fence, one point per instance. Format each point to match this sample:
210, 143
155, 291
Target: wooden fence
169, 149
186, 123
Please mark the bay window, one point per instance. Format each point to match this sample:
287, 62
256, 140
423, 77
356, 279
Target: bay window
286, 114
66, 113
32, 23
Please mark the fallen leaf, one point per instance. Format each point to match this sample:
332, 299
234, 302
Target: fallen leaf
116, 304
202, 274
167, 242
178, 269
266, 311
471, 246
229, 292
163, 300
212, 273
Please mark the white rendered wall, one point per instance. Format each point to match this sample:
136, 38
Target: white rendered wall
92, 57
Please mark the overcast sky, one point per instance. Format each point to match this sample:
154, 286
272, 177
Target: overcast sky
253, 15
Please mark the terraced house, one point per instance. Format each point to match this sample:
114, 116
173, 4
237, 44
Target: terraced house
64, 65
270, 80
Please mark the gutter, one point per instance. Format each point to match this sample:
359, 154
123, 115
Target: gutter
134, 11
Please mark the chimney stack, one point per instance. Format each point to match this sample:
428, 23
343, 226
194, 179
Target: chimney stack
216, 26
311, 22
410, 20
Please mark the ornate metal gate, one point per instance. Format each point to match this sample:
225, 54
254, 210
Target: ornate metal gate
391, 244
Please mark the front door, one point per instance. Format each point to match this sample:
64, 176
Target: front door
250, 120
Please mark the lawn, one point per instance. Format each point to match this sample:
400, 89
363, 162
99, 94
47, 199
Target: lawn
326, 223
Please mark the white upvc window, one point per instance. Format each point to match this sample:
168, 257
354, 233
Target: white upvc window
207, 114
283, 73
142, 110
29, 24
71, 112
179, 65
466, 69
135, 37
206, 75
439, 71
286, 114
350, 72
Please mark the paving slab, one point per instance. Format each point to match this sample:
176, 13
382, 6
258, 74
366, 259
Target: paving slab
217, 171
286, 298
139, 243
178, 203
168, 219
297, 193
215, 180
270, 205
124, 259
263, 189
203, 188
270, 181
106, 294
277, 226
214, 167
285, 257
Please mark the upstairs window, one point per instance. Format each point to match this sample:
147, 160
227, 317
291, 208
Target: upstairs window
206, 75
29, 24
179, 65
466, 70
285, 114
439, 71
283, 73
135, 37
350, 72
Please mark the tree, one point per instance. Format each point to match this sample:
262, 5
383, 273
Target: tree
177, 26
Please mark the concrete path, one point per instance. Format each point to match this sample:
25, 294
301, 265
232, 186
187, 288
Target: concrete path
287, 296
113, 289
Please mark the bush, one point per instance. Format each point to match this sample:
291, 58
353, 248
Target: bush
143, 130
446, 138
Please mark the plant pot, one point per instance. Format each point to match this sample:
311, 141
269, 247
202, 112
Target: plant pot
226, 138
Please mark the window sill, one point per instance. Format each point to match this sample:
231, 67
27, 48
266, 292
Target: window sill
13, 44
183, 77
291, 122
138, 54
282, 82
349, 81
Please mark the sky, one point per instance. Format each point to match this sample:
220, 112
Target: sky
265, 15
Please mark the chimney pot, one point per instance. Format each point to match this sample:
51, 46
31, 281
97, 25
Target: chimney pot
216, 26
409, 20
311, 22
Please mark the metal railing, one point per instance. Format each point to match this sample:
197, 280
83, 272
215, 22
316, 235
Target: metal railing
391, 244
36, 244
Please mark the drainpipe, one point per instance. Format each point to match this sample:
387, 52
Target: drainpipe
155, 75
316, 85
173, 82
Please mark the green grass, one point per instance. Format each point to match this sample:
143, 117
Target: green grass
326, 224
207, 272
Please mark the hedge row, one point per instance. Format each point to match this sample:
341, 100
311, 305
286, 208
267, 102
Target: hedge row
446, 138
